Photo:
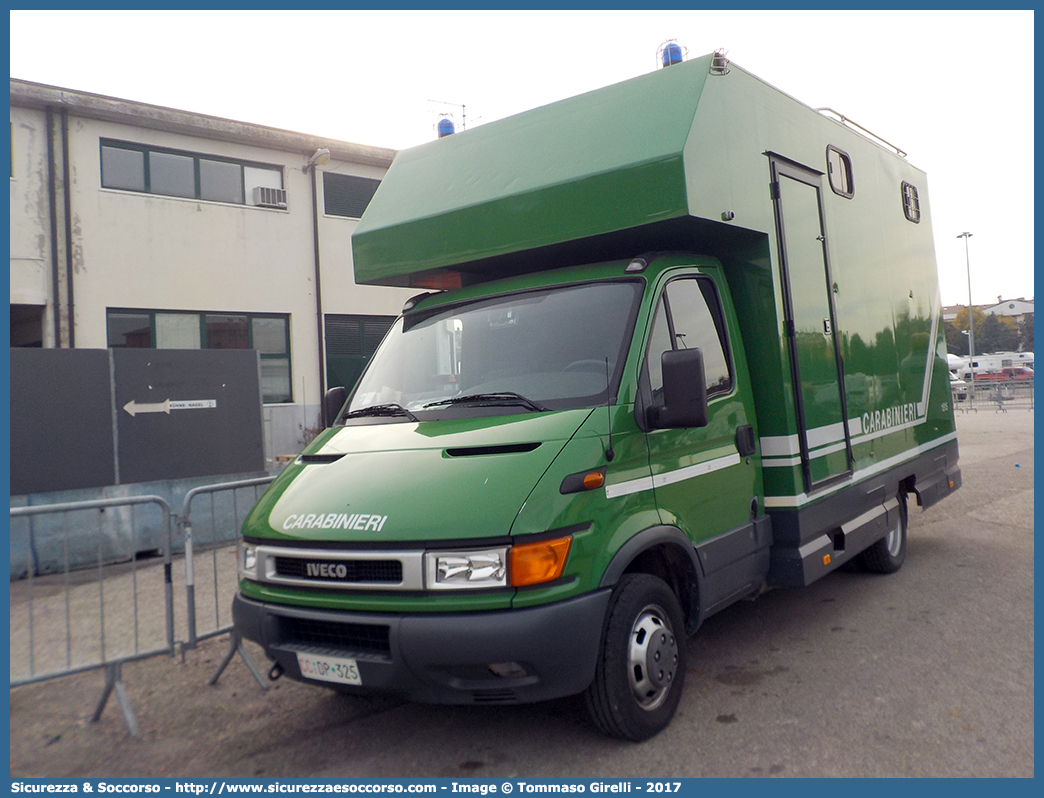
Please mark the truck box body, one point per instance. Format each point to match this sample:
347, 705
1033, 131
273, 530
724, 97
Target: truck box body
692, 338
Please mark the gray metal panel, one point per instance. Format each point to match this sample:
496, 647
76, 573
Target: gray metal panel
61, 420
221, 433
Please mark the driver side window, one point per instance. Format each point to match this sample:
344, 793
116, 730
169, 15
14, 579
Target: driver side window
688, 316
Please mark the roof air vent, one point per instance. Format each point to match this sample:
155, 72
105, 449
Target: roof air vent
719, 63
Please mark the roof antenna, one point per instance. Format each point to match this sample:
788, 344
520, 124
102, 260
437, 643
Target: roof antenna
609, 453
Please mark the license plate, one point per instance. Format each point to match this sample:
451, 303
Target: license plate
329, 669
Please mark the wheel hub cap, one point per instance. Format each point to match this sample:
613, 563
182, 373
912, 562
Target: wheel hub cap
895, 539
653, 658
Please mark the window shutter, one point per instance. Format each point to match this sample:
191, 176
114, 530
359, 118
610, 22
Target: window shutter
347, 195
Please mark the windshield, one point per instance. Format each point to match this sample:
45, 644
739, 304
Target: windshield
533, 351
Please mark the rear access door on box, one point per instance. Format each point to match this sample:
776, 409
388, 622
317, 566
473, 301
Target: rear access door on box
824, 442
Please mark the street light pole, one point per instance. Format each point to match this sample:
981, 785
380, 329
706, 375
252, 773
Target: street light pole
971, 319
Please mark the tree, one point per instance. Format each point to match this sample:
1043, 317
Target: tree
956, 340
996, 336
960, 321
1026, 333
957, 332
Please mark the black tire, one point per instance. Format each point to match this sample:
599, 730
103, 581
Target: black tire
641, 666
887, 555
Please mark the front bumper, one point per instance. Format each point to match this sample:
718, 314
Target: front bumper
440, 658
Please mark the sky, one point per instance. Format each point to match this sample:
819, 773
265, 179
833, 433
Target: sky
953, 89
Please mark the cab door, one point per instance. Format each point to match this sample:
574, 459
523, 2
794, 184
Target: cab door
703, 484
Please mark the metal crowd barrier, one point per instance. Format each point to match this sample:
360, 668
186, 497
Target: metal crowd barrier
999, 397
69, 622
218, 542
89, 601
216, 537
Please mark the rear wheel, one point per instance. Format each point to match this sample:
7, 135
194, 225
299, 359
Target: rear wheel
887, 555
641, 667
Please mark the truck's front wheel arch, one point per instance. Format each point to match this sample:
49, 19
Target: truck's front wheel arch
666, 553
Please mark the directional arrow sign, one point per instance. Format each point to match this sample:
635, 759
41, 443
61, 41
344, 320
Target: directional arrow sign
134, 408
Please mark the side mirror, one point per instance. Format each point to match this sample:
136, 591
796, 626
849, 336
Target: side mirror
332, 404
684, 391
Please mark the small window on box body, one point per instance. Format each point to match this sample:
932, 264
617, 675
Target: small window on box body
911, 202
839, 167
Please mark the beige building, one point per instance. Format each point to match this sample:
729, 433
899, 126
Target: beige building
1014, 309
140, 226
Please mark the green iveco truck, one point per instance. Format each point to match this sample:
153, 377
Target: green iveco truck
681, 342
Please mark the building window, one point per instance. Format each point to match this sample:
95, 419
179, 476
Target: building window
911, 203
127, 329
350, 343
226, 332
172, 173
176, 331
269, 334
27, 325
839, 167
347, 195
123, 169
221, 181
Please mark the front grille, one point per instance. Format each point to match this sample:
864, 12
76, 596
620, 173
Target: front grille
358, 571
333, 565
334, 638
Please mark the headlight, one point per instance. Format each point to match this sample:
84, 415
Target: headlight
246, 560
530, 564
455, 570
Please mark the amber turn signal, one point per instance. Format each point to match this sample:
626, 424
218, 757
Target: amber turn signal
826, 559
543, 561
594, 480
583, 480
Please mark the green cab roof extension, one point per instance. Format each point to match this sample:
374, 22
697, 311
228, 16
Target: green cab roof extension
606, 161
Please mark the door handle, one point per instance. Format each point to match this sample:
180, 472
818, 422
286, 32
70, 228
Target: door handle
745, 443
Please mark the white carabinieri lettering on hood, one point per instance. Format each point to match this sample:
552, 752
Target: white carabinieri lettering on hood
358, 521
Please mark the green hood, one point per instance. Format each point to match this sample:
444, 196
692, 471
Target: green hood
414, 481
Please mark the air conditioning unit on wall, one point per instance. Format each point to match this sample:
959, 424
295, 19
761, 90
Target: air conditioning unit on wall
269, 197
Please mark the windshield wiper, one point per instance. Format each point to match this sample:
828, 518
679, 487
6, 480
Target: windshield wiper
497, 398
390, 409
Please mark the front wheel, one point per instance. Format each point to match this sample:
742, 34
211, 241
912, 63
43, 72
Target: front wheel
641, 666
887, 555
